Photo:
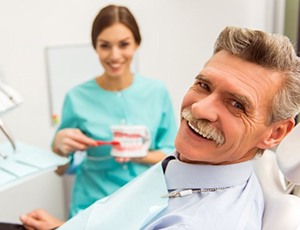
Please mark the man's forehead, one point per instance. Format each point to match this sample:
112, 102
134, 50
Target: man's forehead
224, 64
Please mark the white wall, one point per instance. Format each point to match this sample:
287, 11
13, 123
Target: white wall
178, 36
177, 39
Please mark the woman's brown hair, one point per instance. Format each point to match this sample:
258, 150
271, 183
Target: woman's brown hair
112, 14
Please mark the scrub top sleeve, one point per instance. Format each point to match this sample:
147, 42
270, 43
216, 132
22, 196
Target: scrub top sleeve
68, 120
68, 116
168, 126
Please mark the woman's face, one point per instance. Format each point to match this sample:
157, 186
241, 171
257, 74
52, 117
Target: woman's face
115, 47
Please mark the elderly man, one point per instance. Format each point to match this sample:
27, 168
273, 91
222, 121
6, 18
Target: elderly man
243, 101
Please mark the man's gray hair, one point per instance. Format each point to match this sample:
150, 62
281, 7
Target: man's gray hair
271, 51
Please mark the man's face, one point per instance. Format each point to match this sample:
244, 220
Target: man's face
226, 111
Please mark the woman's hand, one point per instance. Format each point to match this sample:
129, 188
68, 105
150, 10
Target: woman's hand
122, 159
39, 219
70, 140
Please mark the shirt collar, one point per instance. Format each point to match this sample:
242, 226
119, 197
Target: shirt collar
180, 175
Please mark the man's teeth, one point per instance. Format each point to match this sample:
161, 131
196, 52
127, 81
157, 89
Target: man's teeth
206, 135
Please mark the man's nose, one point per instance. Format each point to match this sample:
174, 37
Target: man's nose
206, 108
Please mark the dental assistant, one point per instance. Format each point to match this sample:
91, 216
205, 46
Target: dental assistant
115, 97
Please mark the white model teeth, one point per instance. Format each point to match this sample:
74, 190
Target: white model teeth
130, 142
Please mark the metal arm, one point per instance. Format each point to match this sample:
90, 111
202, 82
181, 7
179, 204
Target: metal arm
8, 136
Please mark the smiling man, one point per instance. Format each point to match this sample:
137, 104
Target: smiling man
226, 113
243, 101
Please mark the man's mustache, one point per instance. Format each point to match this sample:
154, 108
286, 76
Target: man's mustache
204, 127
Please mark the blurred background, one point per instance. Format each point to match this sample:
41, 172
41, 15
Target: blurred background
177, 39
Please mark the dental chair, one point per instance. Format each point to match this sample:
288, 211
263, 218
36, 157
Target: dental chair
279, 172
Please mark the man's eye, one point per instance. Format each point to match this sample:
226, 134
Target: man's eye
204, 86
238, 105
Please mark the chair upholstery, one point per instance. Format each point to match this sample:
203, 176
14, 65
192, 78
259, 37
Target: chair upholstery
282, 209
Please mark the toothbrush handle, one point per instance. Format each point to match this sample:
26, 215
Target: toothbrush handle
108, 143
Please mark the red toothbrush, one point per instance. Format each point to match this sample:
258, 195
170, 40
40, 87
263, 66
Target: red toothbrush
108, 143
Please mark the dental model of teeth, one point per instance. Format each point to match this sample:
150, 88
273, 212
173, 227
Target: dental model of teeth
131, 145
134, 141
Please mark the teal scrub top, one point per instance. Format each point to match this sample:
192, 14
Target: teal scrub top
94, 110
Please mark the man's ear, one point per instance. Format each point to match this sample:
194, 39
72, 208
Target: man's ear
277, 132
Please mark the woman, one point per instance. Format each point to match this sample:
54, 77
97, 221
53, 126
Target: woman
115, 97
